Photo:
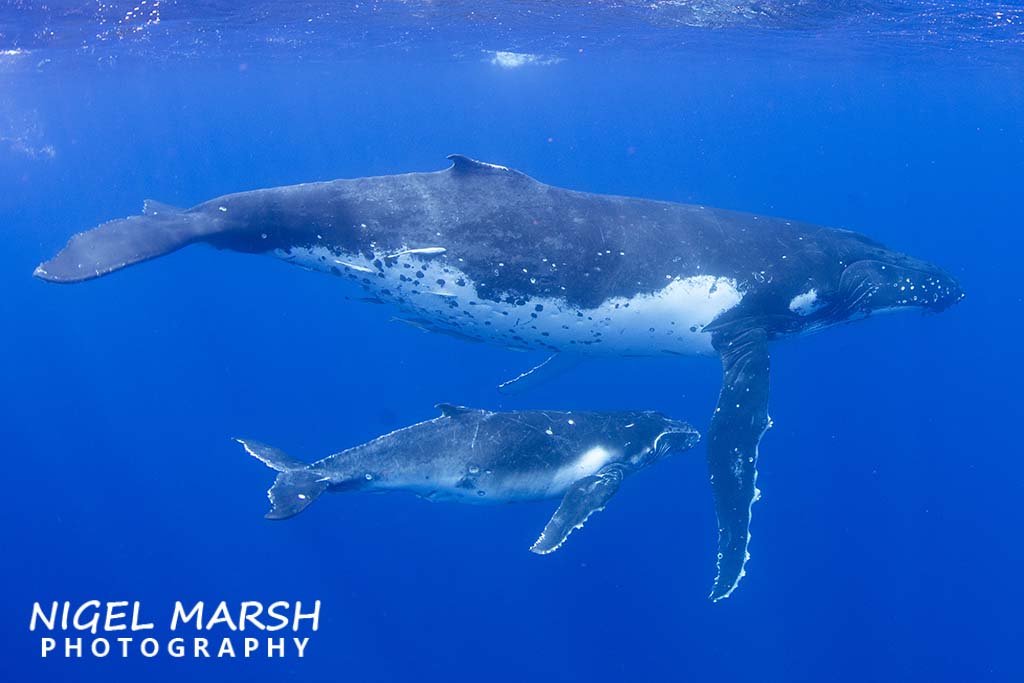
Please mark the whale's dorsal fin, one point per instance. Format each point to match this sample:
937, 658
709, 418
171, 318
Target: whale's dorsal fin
464, 165
151, 207
584, 498
450, 409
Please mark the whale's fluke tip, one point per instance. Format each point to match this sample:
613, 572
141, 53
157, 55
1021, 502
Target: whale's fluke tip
42, 273
119, 243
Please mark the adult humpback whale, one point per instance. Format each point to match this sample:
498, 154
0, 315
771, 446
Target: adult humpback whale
485, 252
477, 456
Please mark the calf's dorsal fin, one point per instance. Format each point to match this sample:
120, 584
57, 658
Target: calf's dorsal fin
463, 165
450, 409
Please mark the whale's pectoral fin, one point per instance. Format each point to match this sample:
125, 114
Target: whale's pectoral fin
555, 366
584, 498
740, 420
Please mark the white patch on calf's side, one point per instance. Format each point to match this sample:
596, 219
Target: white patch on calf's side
590, 462
593, 460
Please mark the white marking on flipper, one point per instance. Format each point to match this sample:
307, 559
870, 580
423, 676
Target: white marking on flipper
750, 508
553, 366
252, 452
533, 548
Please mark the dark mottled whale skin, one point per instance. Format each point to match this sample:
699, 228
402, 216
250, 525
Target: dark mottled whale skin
478, 456
486, 253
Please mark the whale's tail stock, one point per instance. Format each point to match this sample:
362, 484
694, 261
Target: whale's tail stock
111, 246
295, 487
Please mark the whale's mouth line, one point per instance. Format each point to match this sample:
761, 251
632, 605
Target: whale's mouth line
875, 286
661, 446
884, 265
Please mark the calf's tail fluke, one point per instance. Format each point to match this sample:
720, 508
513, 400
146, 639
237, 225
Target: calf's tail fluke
295, 487
113, 245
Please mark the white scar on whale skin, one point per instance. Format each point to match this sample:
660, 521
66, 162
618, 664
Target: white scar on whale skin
426, 251
806, 303
429, 284
353, 266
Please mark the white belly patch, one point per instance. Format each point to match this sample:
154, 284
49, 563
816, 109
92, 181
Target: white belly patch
429, 284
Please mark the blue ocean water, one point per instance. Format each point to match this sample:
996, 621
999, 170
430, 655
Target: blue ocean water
886, 544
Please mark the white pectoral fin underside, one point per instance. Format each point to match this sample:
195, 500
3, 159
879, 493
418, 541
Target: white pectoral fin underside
585, 497
554, 366
740, 421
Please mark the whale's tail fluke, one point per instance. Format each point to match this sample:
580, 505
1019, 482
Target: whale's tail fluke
295, 487
111, 246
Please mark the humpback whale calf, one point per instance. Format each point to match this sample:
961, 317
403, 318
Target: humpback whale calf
483, 252
477, 456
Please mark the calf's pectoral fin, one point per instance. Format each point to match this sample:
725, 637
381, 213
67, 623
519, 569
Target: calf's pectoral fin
740, 420
585, 497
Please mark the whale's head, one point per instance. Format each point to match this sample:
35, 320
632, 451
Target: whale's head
652, 436
868, 279
879, 285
